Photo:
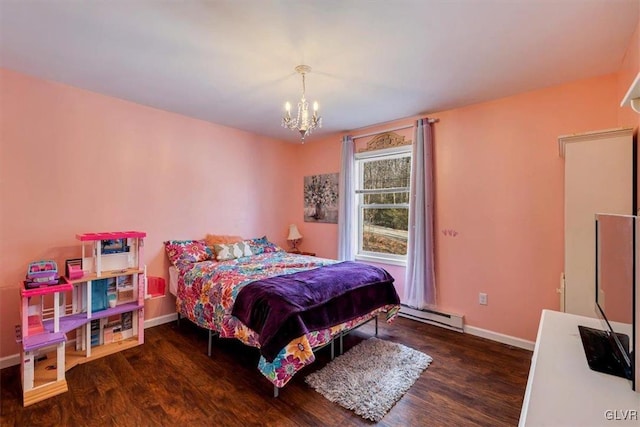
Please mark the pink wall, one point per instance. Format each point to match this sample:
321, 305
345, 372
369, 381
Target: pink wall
73, 161
499, 184
627, 73
313, 158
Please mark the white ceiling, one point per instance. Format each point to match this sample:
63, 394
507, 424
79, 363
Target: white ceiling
232, 62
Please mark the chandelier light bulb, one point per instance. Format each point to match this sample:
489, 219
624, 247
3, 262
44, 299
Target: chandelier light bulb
315, 106
287, 106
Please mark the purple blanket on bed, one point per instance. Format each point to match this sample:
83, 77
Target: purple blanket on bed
285, 307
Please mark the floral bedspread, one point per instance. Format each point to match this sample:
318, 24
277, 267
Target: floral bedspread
208, 289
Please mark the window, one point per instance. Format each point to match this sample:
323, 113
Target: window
382, 203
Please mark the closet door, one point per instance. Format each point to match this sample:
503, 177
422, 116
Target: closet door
598, 178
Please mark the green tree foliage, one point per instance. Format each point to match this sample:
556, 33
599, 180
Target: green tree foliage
384, 175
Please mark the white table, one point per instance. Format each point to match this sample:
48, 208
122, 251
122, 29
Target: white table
563, 391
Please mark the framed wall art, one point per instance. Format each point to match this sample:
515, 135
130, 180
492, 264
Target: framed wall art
321, 198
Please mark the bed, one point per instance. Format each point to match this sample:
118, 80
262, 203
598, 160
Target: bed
287, 305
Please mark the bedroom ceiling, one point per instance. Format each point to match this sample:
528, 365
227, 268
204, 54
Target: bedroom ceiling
232, 62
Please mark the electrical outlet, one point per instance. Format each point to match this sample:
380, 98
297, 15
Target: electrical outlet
482, 298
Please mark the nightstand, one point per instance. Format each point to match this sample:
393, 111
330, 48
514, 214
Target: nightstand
303, 253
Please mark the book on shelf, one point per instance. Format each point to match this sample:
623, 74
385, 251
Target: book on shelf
96, 336
127, 320
127, 325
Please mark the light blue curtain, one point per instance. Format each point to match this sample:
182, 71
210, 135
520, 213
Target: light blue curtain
420, 291
346, 245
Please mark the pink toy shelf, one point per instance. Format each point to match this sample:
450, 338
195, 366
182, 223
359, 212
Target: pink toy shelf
100, 301
110, 235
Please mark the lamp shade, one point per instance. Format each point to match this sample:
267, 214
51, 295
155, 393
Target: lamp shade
294, 234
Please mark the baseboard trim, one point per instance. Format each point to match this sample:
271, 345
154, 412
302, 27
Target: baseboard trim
14, 359
501, 338
452, 321
8, 361
160, 320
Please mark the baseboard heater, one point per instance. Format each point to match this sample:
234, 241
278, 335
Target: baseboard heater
446, 320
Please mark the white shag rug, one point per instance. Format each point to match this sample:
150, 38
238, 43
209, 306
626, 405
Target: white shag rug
371, 377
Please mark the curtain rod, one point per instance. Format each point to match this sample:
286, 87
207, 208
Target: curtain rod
391, 130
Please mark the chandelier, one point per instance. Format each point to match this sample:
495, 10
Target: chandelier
303, 122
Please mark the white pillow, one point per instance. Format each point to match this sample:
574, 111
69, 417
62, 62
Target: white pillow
232, 251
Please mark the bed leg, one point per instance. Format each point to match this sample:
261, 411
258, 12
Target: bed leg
333, 353
340, 349
178, 320
210, 340
276, 390
376, 325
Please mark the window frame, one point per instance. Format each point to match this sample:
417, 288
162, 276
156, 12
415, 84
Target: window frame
359, 206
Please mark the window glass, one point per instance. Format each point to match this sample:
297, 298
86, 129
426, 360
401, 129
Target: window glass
382, 190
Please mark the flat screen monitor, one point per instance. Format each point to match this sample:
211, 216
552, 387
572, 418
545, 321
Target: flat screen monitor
611, 349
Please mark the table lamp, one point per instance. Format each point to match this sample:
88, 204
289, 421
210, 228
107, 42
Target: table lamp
294, 237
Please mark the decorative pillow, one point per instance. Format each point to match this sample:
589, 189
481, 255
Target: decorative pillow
187, 251
220, 239
233, 250
261, 244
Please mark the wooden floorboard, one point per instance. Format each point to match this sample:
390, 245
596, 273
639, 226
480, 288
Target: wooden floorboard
170, 381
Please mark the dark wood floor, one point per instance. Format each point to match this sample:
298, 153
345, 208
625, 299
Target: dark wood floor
170, 381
